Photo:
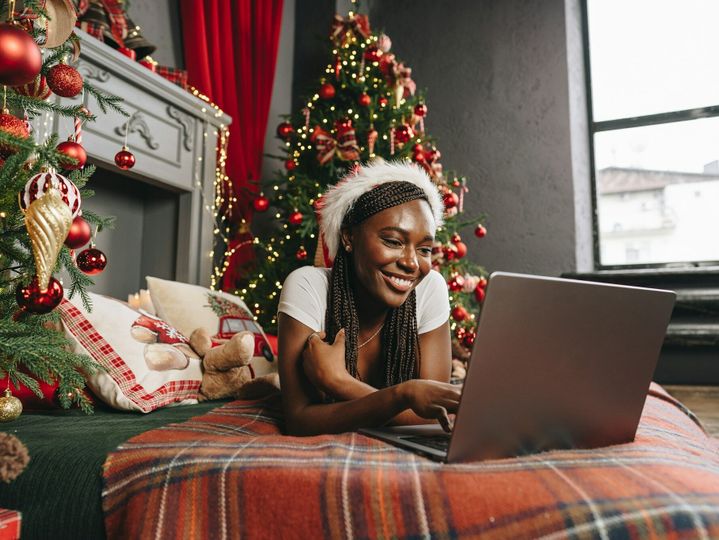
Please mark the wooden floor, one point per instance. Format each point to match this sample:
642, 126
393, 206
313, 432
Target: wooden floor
703, 401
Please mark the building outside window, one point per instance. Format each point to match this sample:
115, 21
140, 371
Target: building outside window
654, 115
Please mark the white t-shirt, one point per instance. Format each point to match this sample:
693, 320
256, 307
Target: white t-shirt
304, 298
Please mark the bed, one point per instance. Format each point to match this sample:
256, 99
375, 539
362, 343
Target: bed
224, 470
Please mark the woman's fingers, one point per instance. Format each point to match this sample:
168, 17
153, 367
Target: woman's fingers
443, 419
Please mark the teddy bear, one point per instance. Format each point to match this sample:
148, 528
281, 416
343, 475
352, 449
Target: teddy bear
225, 363
227, 371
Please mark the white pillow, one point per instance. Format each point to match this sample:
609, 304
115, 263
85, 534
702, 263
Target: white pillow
148, 363
188, 307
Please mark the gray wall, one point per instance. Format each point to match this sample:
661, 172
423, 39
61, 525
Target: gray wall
160, 24
282, 88
499, 95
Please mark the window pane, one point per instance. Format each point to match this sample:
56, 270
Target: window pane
652, 56
658, 193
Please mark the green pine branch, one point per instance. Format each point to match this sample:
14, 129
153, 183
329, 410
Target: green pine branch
104, 100
35, 107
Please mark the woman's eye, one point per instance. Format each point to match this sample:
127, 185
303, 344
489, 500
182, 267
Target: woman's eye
392, 242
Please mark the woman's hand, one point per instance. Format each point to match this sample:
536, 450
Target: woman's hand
324, 364
432, 399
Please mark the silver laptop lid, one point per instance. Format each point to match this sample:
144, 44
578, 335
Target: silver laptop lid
558, 363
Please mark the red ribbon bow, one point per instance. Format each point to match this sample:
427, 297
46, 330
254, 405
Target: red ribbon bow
397, 75
345, 146
342, 29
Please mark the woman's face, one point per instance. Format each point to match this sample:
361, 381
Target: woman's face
392, 250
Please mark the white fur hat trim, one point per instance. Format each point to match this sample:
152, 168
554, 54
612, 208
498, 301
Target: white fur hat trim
340, 198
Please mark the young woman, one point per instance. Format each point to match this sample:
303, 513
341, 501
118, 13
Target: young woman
368, 342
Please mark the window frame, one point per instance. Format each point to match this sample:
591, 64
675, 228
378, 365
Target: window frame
623, 123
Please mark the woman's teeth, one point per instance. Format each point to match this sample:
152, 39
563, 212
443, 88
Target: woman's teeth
400, 282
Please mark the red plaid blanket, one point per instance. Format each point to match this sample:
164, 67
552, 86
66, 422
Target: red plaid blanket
231, 474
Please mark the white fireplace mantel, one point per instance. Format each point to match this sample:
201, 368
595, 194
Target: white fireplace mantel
172, 134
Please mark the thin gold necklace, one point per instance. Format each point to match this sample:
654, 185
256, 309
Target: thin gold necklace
371, 337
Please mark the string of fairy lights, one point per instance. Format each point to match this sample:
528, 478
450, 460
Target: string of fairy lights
224, 198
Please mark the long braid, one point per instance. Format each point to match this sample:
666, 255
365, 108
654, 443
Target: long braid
342, 310
399, 339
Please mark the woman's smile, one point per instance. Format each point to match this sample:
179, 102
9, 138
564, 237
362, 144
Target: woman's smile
400, 284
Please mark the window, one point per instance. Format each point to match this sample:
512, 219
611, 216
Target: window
654, 117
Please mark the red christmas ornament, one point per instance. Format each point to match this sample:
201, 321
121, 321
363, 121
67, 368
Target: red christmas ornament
12, 125
20, 58
261, 203
403, 134
327, 91
418, 156
479, 293
72, 150
364, 99
296, 218
449, 252
290, 164
64, 80
37, 88
460, 332
32, 299
125, 159
372, 54
420, 110
42, 182
461, 249
382, 101
301, 254
79, 235
451, 199
456, 238
456, 283
480, 231
459, 313
482, 283
91, 261
468, 339
285, 130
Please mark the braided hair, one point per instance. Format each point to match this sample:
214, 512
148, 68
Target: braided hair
399, 339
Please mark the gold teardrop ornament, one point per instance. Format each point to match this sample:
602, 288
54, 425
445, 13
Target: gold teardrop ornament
48, 220
10, 407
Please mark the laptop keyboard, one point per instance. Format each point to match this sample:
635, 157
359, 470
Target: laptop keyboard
438, 442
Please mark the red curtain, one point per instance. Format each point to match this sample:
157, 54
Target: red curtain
230, 55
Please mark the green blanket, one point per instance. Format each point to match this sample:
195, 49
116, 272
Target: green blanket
59, 492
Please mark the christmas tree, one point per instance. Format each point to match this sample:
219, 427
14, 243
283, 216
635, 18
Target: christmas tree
366, 107
42, 185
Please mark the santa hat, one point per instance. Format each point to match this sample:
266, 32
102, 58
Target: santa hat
341, 197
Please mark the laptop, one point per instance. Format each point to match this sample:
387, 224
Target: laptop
557, 363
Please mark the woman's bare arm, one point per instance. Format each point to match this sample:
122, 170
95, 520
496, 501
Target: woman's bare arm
429, 399
435, 365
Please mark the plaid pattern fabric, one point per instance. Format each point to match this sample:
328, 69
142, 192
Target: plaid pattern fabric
174, 75
104, 354
95, 30
232, 474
